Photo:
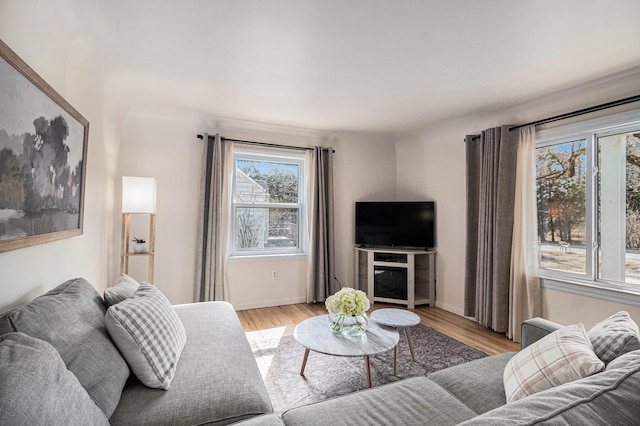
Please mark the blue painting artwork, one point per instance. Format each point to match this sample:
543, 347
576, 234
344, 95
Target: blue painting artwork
42, 159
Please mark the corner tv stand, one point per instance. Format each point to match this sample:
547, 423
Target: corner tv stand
395, 275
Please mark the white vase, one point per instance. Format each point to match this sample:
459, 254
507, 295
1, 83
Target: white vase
141, 248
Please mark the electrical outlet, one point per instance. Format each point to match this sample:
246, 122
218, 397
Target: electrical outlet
274, 275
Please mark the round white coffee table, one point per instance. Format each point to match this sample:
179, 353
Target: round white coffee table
397, 318
316, 335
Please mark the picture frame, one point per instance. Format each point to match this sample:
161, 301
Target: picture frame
43, 159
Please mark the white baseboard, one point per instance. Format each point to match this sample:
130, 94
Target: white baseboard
454, 310
268, 303
450, 308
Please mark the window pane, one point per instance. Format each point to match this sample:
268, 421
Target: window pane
260, 181
265, 228
560, 190
619, 207
283, 228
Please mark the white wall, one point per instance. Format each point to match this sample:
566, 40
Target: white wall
434, 169
164, 145
431, 165
568, 308
65, 60
364, 170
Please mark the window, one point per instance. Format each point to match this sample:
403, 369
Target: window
267, 204
588, 199
560, 191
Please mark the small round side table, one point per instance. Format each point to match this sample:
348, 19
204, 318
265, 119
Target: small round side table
397, 318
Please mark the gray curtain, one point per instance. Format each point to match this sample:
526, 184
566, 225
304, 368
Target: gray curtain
321, 282
491, 177
209, 267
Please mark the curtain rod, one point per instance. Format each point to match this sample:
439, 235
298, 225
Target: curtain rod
272, 145
576, 113
580, 112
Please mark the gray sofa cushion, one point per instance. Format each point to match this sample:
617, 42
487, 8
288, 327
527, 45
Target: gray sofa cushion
37, 389
628, 360
607, 398
415, 401
264, 420
71, 318
217, 380
477, 384
124, 289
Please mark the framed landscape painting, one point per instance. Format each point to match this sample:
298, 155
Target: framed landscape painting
43, 151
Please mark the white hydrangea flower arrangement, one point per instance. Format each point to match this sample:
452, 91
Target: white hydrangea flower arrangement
347, 311
348, 301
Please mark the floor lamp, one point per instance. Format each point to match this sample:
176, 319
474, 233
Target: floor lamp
139, 198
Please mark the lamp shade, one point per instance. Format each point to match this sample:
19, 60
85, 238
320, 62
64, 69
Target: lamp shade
138, 194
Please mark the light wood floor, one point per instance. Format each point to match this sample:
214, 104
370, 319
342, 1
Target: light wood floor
460, 328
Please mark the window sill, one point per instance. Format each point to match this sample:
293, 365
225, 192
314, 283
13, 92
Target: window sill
590, 289
266, 257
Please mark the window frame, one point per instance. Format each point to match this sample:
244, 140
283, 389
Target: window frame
275, 155
589, 284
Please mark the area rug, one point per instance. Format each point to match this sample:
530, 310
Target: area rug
280, 358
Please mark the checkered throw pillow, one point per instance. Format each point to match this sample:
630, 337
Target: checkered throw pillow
149, 334
614, 336
560, 357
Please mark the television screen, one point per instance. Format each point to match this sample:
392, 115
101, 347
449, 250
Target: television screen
396, 223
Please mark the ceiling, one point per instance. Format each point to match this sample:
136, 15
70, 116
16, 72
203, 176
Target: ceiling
353, 65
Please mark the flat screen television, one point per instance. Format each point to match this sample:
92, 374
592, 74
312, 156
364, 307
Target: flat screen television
408, 224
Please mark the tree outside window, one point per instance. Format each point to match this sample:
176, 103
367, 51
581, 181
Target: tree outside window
560, 189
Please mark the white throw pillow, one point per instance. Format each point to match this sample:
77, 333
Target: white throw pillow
614, 336
149, 334
124, 289
560, 357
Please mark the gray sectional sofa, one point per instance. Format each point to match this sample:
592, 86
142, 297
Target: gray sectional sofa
216, 380
474, 394
58, 365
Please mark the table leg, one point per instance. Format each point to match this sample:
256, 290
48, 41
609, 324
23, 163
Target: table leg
304, 361
367, 367
395, 360
408, 333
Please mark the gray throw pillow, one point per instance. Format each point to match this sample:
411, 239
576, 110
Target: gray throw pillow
37, 388
71, 318
124, 289
149, 334
614, 336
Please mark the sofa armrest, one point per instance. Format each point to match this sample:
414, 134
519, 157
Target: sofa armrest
535, 329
